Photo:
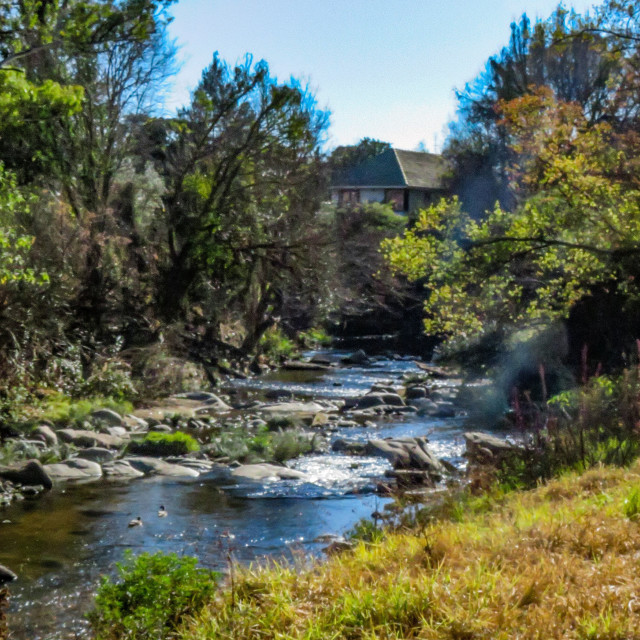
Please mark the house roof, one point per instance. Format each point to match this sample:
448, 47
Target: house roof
396, 168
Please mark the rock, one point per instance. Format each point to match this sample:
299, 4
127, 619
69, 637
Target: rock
321, 359
424, 406
213, 405
378, 400
445, 410
107, 416
157, 466
407, 453
133, 423
201, 466
46, 434
161, 428
264, 471
483, 448
358, 357
410, 477
81, 438
301, 365
285, 408
278, 394
97, 454
27, 473
319, 420
383, 388
415, 392
74, 469
350, 447
6, 575
434, 371
120, 470
199, 396
338, 546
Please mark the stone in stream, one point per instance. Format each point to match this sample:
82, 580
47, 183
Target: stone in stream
407, 453
107, 416
416, 392
74, 469
84, 439
97, 454
120, 470
286, 408
371, 400
483, 448
301, 365
157, 466
350, 447
27, 473
357, 357
6, 575
161, 428
265, 471
46, 434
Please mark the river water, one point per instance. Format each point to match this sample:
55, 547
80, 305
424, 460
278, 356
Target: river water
62, 543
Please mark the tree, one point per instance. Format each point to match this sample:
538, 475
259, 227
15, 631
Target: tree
575, 235
244, 185
557, 54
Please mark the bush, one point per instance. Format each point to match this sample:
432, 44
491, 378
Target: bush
577, 429
274, 344
153, 596
164, 444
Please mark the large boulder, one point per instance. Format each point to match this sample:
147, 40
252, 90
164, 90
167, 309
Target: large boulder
159, 467
407, 453
28, 473
107, 416
46, 434
483, 448
84, 439
120, 470
74, 469
264, 471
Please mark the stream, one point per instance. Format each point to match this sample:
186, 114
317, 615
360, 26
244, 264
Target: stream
61, 543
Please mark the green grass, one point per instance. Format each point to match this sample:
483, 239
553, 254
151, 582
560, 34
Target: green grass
164, 444
63, 410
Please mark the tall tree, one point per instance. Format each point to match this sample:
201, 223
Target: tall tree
243, 177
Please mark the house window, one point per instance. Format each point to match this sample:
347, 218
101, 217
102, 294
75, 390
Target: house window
349, 197
395, 197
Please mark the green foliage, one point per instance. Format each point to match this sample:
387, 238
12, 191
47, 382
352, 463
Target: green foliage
632, 504
314, 338
164, 444
154, 594
367, 530
63, 410
593, 425
274, 344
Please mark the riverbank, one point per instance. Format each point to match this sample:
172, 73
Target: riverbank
556, 562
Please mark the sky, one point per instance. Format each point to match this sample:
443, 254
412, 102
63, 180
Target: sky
385, 69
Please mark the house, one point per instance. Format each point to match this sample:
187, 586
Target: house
408, 180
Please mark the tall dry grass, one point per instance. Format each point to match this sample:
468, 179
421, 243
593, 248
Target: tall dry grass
559, 562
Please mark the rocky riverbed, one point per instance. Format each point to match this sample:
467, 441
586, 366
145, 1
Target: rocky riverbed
375, 425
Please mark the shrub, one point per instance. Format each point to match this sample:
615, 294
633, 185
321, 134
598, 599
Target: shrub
314, 338
153, 595
632, 504
164, 444
274, 344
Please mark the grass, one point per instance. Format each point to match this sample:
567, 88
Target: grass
560, 561
63, 410
164, 444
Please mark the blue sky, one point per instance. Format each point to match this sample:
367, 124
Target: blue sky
386, 69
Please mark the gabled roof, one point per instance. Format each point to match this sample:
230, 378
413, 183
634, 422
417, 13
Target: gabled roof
396, 168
